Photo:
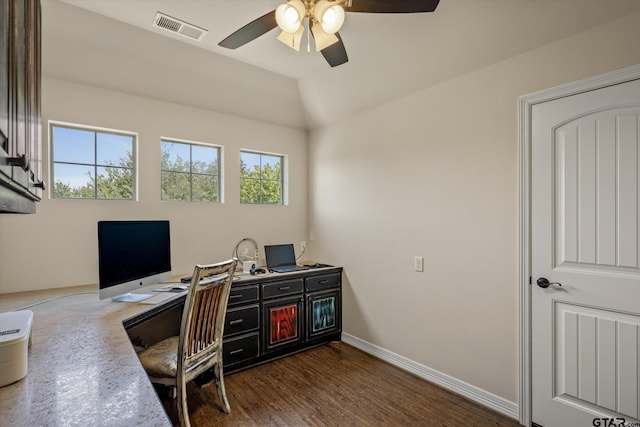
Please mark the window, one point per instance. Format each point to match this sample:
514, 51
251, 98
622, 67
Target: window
92, 163
190, 172
261, 178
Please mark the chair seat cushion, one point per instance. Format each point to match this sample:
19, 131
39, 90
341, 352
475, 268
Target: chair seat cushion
161, 359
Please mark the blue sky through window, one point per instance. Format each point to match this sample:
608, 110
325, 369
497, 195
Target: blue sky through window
73, 145
251, 160
113, 149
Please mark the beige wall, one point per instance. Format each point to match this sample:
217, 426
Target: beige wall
57, 246
435, 175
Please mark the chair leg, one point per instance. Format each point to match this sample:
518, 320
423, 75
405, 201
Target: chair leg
222, 394
181, 400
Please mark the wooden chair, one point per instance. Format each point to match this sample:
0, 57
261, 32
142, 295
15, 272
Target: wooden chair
177, 360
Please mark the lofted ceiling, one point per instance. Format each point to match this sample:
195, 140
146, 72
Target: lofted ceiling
112, 44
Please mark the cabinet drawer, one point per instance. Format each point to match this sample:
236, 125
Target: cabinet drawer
241, 295
239, 349
242, 320
324, 281
279, 289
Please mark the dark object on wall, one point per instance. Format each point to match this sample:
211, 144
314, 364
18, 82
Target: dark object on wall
21, 182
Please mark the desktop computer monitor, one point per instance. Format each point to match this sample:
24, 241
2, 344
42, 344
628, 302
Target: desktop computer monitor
132, 254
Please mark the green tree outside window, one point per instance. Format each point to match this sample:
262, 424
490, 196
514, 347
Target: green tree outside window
190, 172
261, 178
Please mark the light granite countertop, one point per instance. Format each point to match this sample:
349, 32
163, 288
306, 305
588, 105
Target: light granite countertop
82, 368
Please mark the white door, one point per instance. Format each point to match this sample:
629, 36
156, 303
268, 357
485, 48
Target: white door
585, 235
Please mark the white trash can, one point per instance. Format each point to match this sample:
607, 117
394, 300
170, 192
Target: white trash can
15, 338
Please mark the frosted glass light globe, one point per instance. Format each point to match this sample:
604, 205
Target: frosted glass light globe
289, 16
331, 17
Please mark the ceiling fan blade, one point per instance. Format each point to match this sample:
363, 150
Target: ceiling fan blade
251, 31
390, 6
336, 54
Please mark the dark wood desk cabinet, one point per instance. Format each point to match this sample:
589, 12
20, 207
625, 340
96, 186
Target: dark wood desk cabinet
267, 317
21, 182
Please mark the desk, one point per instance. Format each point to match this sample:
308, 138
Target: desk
83, 369
268, 316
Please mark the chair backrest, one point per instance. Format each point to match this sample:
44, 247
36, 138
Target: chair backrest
203, 317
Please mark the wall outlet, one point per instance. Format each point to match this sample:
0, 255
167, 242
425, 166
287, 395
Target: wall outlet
303, 245
419, 263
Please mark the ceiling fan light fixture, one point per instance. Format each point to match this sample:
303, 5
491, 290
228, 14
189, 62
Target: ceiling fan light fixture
293, 40
289, 16
330, 15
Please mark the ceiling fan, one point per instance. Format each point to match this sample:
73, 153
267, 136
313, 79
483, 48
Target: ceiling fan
324, 19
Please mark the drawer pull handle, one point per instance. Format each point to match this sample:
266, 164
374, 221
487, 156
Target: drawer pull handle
20, 161
236, 322
324, 282
284, 288
236, 296
234, 352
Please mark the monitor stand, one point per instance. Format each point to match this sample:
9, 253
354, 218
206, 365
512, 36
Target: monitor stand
129, 297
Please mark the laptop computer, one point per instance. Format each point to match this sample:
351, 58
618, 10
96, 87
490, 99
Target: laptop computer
282, 258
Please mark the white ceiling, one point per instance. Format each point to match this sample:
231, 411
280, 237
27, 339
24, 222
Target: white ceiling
111, 44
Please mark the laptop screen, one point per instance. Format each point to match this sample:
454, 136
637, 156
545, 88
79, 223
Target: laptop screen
279, 255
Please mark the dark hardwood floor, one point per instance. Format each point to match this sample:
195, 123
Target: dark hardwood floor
334, 384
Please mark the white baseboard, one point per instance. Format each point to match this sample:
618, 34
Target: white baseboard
462, 388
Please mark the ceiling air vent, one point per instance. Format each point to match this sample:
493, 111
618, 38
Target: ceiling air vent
177, 26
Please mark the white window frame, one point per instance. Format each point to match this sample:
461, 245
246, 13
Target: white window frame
56, 123
220, 168
285, 176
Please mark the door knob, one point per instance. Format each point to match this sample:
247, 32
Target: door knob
544, 283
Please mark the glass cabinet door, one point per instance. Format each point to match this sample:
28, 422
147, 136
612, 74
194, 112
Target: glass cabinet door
282, 320
323, 314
